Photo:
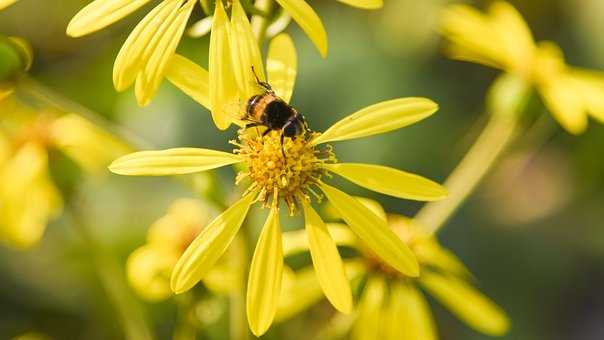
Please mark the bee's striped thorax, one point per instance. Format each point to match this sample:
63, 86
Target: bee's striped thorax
256, 105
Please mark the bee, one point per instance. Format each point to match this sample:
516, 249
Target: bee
268, 110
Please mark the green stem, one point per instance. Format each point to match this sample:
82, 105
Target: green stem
496, 136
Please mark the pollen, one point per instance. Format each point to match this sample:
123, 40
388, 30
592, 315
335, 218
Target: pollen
287, 172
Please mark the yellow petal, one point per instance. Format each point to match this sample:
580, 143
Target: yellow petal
296, 241
472, 36
300, 290
151, 75
379, 118
29, 198
266, 272
374, 206
428, 251
209, 245
201, 27
87, 144
364, 4
590, 85
99, 14
6, 3
565, 103
176, 161
245, 53
408, 315
190, 78
148, 269
373, 231
135, 52
369, 324
309, 21
466, 303
223, 87
281, 66
516, 37
389, 181
327, 261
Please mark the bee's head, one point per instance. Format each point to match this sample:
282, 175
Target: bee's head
294, 126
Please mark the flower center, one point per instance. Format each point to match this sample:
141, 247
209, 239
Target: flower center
285, 171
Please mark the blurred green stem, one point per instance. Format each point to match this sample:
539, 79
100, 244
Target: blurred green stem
496, 136
507, 101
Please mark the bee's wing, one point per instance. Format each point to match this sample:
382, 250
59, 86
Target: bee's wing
237, 111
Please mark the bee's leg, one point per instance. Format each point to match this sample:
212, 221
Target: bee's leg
282, 148
266, 86
266, 132
251, 125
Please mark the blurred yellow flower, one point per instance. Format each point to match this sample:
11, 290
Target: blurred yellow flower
274, 177
501, 39
28, 197
149, 267
390, 306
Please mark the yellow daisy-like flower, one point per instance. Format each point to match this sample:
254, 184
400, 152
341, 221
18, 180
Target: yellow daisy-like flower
501, 38
149, 267
28, 197
292, 173
391, 306
145, 55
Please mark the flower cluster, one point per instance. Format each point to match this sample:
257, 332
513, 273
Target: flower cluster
390, 305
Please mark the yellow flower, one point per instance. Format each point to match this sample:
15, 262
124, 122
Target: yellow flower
28, 197
149, 267
145, 54
501, 39
390, 304
6, 3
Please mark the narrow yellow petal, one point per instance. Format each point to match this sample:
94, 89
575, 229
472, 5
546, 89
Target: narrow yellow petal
466, 303
565, 103
408, 314
516, 37
266, 272
309, 21
364, 4
389, 181
299, 291
369, 324
223, 87
590, 85
176, 161
87, 144
190, 78
152, 73
135, 52
281, 66
209, 245
100, 14
373, 231
245, 53
379, 118
428, 251
327, 261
